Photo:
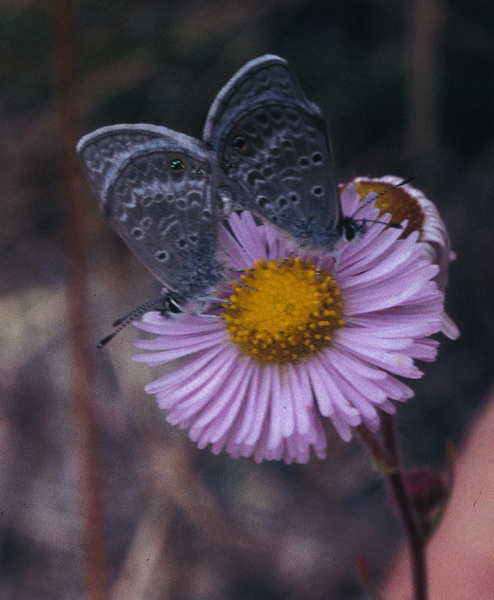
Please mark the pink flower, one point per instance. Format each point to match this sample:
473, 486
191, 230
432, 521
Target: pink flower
406, 202
294, 346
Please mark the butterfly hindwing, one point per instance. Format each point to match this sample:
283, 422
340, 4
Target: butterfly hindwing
273, 143
158, 190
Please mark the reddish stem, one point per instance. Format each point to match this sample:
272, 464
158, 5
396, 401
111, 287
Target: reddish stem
413, 530
92, 520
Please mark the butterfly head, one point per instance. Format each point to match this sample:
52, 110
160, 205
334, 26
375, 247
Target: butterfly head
351, 229
172, 306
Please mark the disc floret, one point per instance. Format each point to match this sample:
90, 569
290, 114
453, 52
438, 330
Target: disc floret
283, 311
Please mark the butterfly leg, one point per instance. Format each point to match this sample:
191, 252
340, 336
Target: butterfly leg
246, 286
284, 260
336, 261
220, 301
319, 265
207, 306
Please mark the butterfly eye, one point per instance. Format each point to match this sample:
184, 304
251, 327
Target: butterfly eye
239, 142
171, 305
177, 165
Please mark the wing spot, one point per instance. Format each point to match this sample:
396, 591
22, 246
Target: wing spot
194, 198
282, 202
294, 198
146, 222
317, 158
159, 197
240, 143
303, 161
162, 255
177, 165
263, 202
317, 190
137, 233
182, 243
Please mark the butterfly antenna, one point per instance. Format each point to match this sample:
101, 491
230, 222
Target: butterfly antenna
127, 319
390, 189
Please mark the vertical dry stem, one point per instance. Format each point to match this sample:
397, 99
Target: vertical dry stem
92, 521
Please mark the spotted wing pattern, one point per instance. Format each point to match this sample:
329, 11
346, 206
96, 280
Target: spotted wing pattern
158, 190
271, 141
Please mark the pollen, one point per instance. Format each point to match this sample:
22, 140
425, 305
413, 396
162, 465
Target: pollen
398, 202
283, 311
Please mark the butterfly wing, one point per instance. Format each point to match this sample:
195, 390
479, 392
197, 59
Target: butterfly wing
157, 188
274, 144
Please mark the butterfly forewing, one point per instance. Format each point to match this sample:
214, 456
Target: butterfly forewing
158, 190
272, 142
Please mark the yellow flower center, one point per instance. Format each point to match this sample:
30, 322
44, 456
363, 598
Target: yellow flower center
398, 203
283, 311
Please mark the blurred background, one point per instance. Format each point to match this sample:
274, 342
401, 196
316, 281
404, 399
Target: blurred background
406, 87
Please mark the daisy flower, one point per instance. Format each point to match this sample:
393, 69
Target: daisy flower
406, 202
298, 340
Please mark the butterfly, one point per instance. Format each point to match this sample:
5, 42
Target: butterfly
274, 144
159, 191
265, 149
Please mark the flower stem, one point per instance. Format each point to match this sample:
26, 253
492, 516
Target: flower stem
411, 525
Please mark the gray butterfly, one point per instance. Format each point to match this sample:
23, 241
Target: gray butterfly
159, 191
274, 144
